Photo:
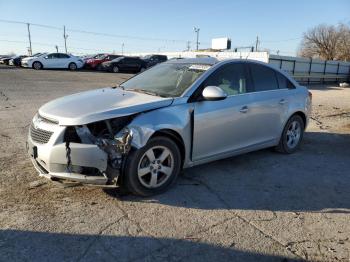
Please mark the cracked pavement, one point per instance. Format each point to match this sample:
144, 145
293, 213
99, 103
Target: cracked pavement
259, 206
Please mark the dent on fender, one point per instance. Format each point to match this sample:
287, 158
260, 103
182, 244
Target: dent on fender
176, 119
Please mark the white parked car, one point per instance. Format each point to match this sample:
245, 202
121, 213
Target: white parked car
53, 60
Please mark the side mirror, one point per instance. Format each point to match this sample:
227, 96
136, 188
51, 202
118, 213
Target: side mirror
213, 93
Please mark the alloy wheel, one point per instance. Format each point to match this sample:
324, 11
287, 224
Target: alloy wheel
155, 167
293, 134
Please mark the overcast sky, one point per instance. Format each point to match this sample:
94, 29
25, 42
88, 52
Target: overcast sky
163, 25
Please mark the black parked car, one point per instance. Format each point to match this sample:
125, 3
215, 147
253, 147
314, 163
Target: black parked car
152, 60
17, 61
6, 60
125, 64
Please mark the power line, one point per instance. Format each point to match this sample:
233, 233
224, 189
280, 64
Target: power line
97, 33
47, 44
283, 40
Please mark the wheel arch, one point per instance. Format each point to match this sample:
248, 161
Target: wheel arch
176, 137
302, 115
36, 61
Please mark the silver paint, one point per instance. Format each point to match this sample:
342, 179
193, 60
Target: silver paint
208, 130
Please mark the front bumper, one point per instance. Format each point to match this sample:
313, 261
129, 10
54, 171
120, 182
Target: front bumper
88, 161
25, 64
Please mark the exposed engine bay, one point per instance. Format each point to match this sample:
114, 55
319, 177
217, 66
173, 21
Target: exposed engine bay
112, 136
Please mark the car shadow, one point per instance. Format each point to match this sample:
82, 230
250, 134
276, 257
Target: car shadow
18, 245
315, 178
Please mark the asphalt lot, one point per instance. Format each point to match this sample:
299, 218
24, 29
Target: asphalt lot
262, 206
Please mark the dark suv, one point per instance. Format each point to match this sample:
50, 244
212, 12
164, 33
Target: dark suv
152, 60
125, 64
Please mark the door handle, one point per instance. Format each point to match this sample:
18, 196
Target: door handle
244, 109
282, 101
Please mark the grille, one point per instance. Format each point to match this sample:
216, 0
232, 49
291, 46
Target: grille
40, 136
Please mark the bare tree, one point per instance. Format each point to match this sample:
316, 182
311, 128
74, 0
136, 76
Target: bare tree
326, 42
343, 46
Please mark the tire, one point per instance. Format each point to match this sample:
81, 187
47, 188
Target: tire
72, 66
292, 135
37, 65
115, 69
145, 177
142, 69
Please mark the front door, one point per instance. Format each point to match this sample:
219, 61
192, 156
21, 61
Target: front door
224, 126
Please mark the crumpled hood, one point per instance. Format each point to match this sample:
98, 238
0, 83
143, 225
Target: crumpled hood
100, 104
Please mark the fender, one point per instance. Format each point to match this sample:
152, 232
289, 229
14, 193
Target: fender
176, 118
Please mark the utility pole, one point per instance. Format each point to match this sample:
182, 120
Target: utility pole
30, 40
56, 46
256, 43
65, 38
188, 45
196, 30
122, 48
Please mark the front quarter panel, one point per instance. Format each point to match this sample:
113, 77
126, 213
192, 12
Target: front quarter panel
176, 118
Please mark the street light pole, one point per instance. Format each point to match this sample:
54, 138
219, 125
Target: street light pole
122, 48
30, 40
256, 43
65, 38
196, 30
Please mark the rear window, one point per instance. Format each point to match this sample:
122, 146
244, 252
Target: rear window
264, 78
283, 82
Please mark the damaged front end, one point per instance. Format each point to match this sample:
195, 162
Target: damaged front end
90, 154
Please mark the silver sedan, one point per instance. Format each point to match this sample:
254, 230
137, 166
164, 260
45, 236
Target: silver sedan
178, 114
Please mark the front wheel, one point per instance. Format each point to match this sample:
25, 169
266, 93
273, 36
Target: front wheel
153, 168
292, 135
115, 69
37, 65
72, 66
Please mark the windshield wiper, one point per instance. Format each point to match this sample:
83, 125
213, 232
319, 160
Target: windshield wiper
148, 92
122, 87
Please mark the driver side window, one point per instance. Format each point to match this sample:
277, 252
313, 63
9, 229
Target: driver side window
231, 78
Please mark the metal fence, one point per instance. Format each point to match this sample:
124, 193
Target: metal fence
310, 71
303, 70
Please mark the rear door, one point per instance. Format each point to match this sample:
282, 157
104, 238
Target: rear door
270, 103
63, 60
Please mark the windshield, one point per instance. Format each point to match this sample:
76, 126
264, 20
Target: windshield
100, 56
117, 59
168, 80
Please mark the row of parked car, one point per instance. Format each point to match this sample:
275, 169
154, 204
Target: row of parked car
102, 62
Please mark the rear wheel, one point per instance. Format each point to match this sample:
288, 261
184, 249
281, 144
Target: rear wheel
115, 69
292, 135
72, 66
152, 169
37, 65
